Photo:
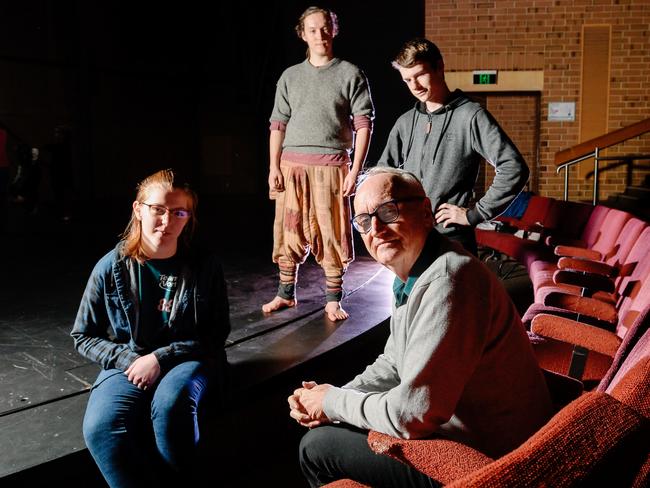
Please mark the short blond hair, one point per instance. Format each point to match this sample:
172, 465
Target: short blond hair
418, 50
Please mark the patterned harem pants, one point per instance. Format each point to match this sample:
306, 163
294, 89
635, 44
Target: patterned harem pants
312, 214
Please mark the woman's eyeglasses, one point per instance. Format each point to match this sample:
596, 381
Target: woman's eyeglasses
160, 210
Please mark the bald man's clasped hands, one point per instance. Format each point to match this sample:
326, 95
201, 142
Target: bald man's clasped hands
306, 404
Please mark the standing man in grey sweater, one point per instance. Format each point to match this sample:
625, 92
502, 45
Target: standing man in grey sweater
322, 112
442, 141
457, 364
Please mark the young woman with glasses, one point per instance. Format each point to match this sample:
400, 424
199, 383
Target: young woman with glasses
155, 317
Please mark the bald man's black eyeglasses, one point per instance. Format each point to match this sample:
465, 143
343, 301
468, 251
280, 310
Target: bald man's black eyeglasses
387, 212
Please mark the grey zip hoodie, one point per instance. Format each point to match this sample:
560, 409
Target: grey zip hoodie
444, 149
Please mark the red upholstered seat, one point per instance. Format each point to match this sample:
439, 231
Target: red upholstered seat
544, 216
560, 334
633, 233
599, 439
628, 273
560, 321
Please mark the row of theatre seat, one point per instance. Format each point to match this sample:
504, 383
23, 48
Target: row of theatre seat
589, 327
590, 271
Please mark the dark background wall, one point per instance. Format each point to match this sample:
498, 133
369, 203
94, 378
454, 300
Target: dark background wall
144, 85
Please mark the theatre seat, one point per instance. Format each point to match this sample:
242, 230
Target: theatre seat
566, 320
626, 276
580, 350
608, 266
544, 217
599, 439
548, 220
598, 240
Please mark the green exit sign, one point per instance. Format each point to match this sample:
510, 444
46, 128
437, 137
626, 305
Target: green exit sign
488, 77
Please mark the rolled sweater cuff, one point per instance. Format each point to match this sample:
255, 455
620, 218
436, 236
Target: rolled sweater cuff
362, 122
278, 125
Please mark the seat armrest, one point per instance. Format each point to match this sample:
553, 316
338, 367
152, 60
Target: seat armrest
576, 333
592, 282
555, 240
552, 457
586, 265
441, 459
577, 252
568, 314
592, 307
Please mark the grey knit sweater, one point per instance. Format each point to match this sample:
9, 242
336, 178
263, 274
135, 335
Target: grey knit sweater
317, 106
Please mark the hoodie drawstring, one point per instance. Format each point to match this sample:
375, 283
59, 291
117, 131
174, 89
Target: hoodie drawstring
445, 124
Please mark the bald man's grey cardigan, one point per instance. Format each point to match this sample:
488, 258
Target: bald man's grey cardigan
458, 362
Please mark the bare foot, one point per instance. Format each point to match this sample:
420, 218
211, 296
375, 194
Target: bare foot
335, 312
278, 303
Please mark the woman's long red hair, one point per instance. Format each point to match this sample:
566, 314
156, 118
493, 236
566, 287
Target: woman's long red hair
131, 237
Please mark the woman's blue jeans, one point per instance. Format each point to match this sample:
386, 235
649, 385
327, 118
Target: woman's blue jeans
141, 437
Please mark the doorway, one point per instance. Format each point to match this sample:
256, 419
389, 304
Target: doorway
518, 113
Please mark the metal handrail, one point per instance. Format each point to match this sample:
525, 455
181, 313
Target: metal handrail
598, 143
568, 164
595, 155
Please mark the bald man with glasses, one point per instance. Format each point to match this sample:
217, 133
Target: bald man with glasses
457, 364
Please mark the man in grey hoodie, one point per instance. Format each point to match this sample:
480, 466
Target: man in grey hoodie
458, 362
442, 141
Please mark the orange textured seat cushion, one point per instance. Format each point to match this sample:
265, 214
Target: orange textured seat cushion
440, 459
599, 425
345, 484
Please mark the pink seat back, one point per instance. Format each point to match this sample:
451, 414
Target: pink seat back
631, 383
610, 229
633, 282
537, 211
635, 297
593, 228
568, 219
632, 266
626, 239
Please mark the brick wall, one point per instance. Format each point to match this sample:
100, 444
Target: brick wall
546, 35
516, 113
